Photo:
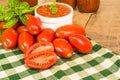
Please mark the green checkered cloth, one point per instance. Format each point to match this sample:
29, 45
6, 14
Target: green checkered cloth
99, 64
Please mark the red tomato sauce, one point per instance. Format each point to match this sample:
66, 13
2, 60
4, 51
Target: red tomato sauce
45, 11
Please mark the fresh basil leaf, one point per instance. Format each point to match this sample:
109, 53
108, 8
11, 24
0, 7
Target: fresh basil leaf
53, 7
11, 22
17, 12
25, 11
16, 4
33, 8
9, 15
23, 18
2, 9
1, 31
1, 18
54, 10
24, 5
11, 3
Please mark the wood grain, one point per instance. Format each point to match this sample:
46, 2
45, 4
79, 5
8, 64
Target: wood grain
104, 26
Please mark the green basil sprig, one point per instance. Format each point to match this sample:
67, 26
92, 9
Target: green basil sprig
15, 11
53, 7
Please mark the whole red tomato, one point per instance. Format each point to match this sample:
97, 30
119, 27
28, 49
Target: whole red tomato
67, 30
28, 15
40, 46
46, 35
9, 38
21, 29
25, 40
81, 43
34, 25
41, 60
63, 48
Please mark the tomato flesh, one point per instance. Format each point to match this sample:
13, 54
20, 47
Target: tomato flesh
38, 47
41, 60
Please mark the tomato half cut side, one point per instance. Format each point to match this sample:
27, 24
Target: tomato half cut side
41, 60
40, 46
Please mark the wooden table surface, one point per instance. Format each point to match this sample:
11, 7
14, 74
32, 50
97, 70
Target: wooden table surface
103, 26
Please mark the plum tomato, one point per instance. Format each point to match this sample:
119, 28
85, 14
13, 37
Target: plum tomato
81, 43
47, 34
40, 46
41, 60
2, 24
21, 29
9, 38
25, 40
28, 15
34, 25
63, 48
67, 30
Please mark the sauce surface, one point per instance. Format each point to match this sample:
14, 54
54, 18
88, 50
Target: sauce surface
45, 11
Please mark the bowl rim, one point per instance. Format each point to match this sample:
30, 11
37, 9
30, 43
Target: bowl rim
54, 18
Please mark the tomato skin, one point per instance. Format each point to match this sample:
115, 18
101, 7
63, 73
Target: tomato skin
63, 48
9, 38
34, 25
28, 15
81, 43
2, 24
67, 30
41, 60
25, 40
21, 29
46, 35
38, 47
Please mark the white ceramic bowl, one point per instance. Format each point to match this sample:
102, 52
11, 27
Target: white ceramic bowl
56, 22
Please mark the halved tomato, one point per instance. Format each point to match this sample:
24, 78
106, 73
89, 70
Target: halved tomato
38, 47
41, 60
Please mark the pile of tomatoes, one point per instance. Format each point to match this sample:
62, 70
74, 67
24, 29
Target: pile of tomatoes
42, 47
